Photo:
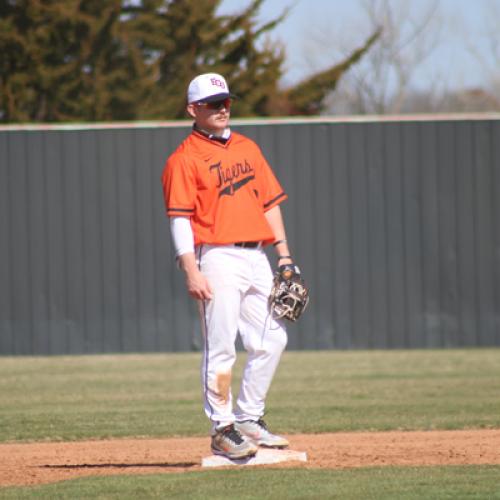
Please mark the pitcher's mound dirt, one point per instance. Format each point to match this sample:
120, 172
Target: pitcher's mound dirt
35, 463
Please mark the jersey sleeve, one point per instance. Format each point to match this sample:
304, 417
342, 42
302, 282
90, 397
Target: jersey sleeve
179, 187
272, 192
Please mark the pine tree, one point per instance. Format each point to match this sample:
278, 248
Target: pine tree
113, 73
65, 60
188, 37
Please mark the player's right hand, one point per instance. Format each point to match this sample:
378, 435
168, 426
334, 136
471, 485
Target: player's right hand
198, 286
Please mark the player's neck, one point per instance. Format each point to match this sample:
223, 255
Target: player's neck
216, 134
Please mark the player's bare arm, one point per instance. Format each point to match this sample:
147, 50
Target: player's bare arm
197, 285
275, 220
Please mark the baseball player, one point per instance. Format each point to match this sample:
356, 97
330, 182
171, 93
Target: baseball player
223, 199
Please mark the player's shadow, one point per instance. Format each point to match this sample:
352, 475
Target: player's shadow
165, 465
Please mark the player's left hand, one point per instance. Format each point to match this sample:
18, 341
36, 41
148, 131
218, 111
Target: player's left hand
289, 295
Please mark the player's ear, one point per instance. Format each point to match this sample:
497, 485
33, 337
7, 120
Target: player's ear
190, 110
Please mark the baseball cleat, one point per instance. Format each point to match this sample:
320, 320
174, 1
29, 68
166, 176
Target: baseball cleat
258, 433
231, 444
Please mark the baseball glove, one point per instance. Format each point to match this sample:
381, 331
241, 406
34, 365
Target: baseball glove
289, 295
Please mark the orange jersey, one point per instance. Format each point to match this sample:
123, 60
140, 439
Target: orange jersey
224, 188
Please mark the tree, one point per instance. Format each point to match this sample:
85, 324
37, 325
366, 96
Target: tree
65, 60
486, 50
188, 38
95, 60
384, 79
308, 96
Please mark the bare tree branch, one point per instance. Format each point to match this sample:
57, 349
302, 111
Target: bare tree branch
383, 80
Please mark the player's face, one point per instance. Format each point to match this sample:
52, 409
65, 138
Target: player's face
212, 117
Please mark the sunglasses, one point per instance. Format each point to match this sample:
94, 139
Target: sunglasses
216, 105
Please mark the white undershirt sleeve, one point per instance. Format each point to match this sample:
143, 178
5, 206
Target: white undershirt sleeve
182, 234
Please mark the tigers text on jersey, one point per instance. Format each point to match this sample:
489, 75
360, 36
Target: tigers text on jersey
225, 188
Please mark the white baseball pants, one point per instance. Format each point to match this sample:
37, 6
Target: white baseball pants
241, 280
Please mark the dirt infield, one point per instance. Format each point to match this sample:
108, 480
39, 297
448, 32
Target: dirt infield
36, 463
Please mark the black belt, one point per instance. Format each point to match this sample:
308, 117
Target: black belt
248, 244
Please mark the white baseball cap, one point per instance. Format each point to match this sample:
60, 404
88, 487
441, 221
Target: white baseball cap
208, 87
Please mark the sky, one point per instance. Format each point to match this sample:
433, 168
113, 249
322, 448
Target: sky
460, 26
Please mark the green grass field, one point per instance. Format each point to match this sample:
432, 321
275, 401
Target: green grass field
384, 483
74, 398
